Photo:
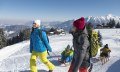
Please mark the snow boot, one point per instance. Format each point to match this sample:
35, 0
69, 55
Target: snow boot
50, 70
90, 67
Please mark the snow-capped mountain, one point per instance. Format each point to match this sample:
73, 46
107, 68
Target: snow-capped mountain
102, 19
68, 24
93, 20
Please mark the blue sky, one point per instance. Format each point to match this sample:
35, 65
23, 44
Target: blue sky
57, 10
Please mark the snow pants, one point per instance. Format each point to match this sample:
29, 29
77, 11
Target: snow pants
66, 58
43, 57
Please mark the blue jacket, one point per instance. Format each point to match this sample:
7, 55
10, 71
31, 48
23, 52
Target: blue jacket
38, 45
67, 56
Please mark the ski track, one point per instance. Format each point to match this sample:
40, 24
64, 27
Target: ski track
19, 60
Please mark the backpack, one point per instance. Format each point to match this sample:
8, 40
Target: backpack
40, 35
93, 40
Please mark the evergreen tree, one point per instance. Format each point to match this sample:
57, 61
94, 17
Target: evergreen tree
112, 23
25, 34
103, 24
52, 29
117, 25
100, 39
9, 42
21, 35
3, 40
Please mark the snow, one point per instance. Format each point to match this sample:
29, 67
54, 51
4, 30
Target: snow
102, 19
112, 38
7, 33
7, 51
15, 58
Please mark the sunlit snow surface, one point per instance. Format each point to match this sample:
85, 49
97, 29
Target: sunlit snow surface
15, 58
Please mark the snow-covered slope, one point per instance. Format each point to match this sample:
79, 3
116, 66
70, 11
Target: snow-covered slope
112, 38
19, 60
7, 51
15, 58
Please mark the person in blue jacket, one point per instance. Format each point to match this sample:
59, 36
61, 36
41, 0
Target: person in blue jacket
39, 46
67, 55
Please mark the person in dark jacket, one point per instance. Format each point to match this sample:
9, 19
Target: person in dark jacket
105, 54
39, 47
81, 59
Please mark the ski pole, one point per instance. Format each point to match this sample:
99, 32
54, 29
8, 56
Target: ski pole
54, 54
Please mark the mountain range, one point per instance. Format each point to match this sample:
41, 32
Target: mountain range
67, 24
102, 19
93, 20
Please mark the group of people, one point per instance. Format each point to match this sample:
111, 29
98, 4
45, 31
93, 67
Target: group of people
79, 56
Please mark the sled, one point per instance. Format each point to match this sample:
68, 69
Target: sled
63, 63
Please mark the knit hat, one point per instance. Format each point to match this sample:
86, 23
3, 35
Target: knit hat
68, 47
79, 24
37, 22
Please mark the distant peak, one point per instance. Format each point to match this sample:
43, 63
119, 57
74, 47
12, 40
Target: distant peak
109, 15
